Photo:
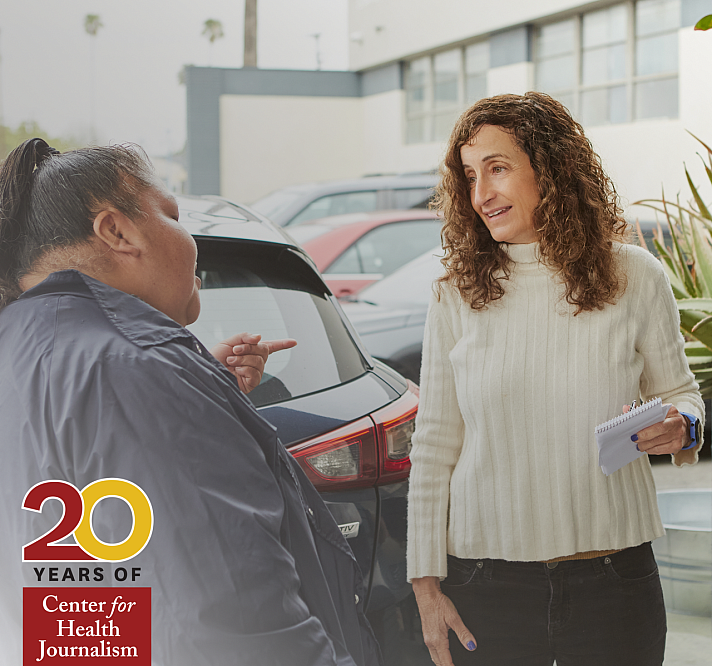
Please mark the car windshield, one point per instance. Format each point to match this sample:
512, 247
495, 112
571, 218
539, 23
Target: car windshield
275, 203
271, 290
409, 284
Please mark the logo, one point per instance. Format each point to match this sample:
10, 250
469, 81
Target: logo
77, 520
350, 530
66, 623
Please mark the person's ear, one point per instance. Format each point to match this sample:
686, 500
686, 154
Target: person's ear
118, 232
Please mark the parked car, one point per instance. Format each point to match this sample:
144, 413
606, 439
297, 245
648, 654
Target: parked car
345, 417
353, 251
389, 316
301, 203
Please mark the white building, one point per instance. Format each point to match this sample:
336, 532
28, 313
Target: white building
634, 73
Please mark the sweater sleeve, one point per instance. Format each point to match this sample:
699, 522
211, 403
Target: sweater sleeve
437, 441
666, 372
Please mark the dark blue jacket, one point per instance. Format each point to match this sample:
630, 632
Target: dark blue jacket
246, 564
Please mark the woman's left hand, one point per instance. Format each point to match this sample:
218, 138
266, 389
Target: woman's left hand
668, 436
244, 355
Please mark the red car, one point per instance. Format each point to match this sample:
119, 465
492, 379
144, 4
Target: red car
353, 251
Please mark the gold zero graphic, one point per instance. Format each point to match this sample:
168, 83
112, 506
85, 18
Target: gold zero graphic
141, 529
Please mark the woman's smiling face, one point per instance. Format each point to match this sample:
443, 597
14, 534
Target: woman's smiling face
503, 187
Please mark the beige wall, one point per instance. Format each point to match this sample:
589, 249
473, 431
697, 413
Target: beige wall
641, 157
696, 82
268, 142
384, 141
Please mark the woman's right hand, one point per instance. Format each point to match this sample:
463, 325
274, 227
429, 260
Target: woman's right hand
437, 615
245, 355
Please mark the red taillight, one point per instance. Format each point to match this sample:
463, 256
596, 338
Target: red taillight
371, 451
343, 458
395, 425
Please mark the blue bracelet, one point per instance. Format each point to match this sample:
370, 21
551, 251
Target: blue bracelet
693, 427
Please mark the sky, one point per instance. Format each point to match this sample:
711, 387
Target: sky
46, 60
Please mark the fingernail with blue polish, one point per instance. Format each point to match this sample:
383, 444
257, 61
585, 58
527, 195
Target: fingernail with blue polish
471, 646
634, 438
637, 448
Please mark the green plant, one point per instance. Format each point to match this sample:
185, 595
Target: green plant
704, 23
213, 30
688, 264
11, 138
92, 23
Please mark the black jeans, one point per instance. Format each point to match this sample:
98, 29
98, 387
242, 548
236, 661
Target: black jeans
607, 611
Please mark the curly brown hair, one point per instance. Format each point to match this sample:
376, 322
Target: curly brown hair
576, 220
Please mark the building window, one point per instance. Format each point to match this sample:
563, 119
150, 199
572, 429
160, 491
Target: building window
438, 89
446, 92
604, 68
557, 60
418, 104
613, 65
656, 85
476, 65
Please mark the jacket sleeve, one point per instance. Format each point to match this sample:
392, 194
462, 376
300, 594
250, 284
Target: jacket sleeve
225, 589
666, 372
437, 441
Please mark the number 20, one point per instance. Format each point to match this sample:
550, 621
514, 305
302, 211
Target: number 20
77, 520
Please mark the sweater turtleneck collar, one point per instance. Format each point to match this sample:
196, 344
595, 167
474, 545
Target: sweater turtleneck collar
523, 253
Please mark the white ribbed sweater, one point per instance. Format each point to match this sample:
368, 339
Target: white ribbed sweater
505, 462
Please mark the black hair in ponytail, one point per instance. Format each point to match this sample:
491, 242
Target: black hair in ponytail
49, 200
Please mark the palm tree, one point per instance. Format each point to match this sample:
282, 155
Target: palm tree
213, 30
317, 36
250, 51
92, 23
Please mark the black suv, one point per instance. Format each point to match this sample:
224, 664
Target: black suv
346, 418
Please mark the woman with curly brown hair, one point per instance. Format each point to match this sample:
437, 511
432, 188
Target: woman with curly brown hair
543, 326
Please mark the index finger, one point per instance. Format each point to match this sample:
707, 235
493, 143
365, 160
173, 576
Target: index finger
279, 345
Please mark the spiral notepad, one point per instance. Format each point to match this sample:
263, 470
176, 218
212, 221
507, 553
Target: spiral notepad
615, 447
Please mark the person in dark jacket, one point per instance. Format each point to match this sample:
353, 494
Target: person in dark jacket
100, 379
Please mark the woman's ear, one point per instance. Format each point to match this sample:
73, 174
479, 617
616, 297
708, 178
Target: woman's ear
118, 232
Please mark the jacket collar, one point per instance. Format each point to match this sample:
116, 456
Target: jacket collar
137, 321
